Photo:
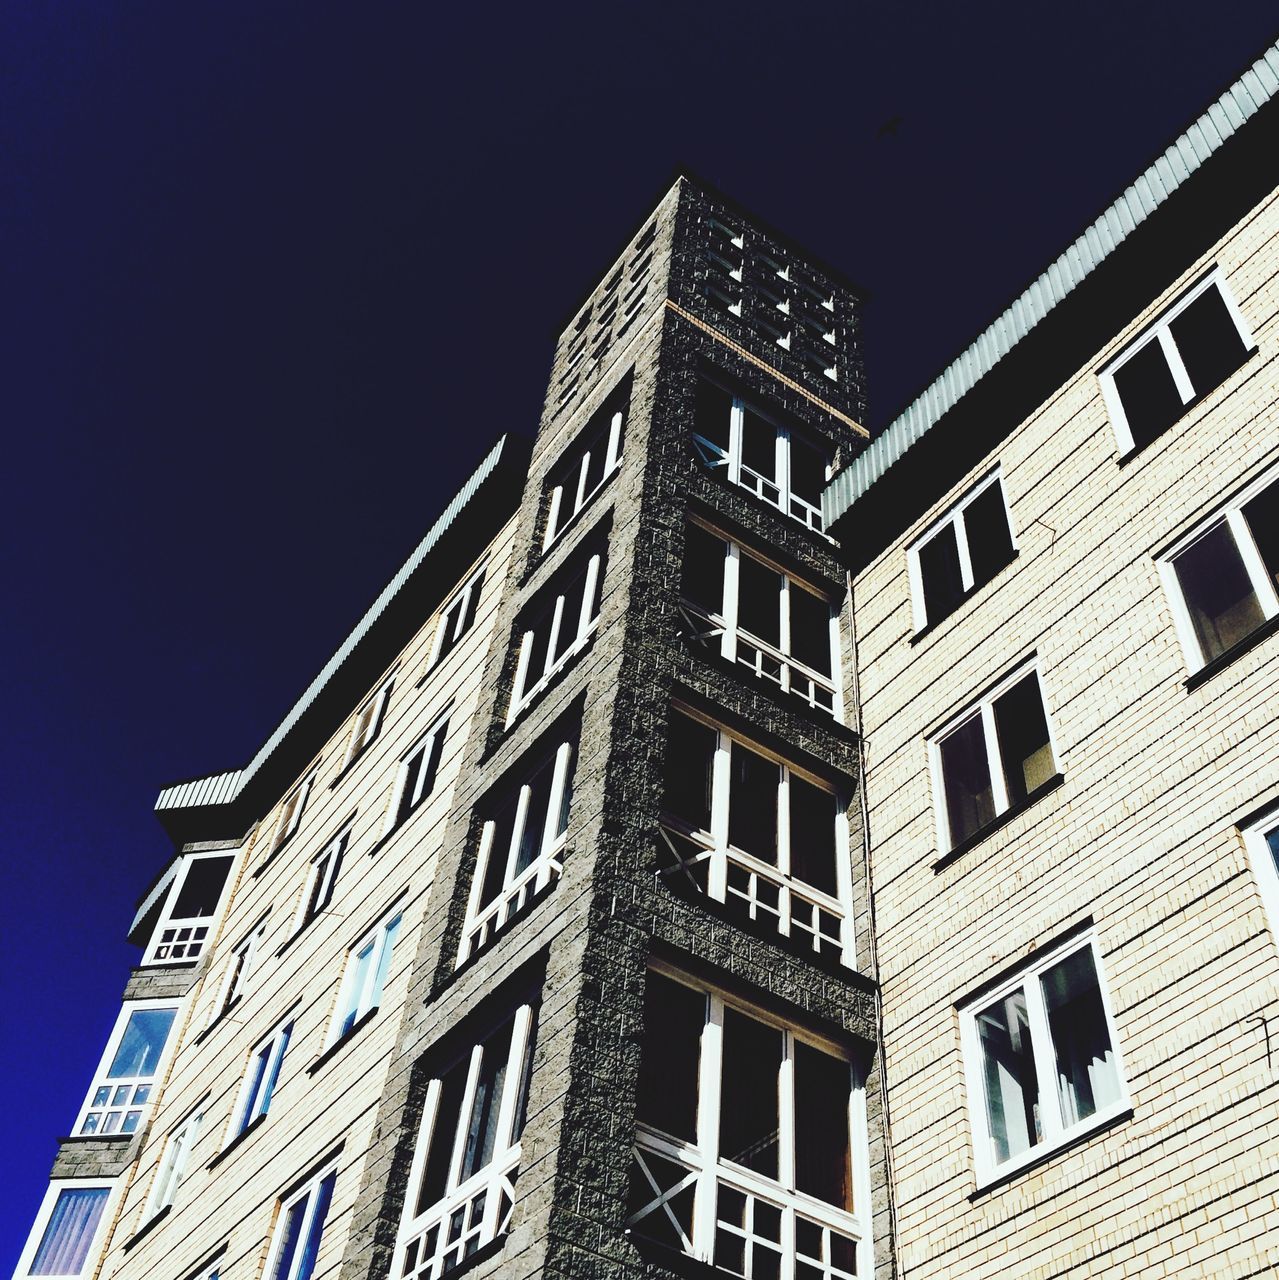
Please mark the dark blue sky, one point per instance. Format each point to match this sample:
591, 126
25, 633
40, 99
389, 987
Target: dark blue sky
274, 275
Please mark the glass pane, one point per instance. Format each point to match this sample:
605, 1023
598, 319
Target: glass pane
690, 754
1218, 592
990, 545
277, 1061
713, 414
253, 1086
481, 1132
752, 804
807, 471
310, 1251
702, 582
823, 1148
1008, 1061
434, 1184
355, 1006
939, 572
142, 1043
595, 465
1262, 515
1022, 731
1147, 392
674, 1016
748, 1119
759, 600
1087, 1078
810, 630
498, 851
970, 803
1272, 843
1207, 341
526, 1078
812, 835
539, 655
289, 1247
759, 444
201, 888
535, 819
64, 1247
571, 619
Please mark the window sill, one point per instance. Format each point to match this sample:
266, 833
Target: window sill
120, 1138
147, 1227
976, 589
971, 841
339, 1044
1001, 1179
1237, 650
252, 1127
350, 764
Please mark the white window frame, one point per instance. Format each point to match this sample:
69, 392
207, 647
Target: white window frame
752, 481
1159, 330
45, 1213
954, 516
235, 978
253, 1101
100, 1078
713, 846
309, 1191
367, 724
985, 708
453, 623
496, 1179
738, 645
576, 479
1231, 515
706, 1170
483, 924
420, 753
528, 685
199, 928
322, 877
290, 816
1263, 863
1056, 1133
360, 995
174, 1160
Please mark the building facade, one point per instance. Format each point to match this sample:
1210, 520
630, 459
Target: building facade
734, 845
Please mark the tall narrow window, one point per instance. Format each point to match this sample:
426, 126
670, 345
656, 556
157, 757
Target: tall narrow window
750, 1145
755, 614
521, 845
190, 910
368, 723
961, 552
1223, 578
67, 1233
461, 1190
458, 617
994, 757
291, 813
173, 1163
585, 468
235, 980
265, 1063
415, 777
121, 1091
1042, 1058
751, 449
1262, 839
366, 969
757, 835
1189, 351
299, 1228
322, 877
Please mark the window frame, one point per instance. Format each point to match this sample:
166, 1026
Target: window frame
44, 1215
240, 968
1230, 514
1264, 866
1159, 331
173, 1164
322, 874
354, 1005
984, 707
1056, 1134
466, 601
166, 920
612, 435
290, 816
430, 746
367, 724
954, 516
254, 1097
308, 1191
100, 1078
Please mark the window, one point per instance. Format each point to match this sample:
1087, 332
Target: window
190, 909
750, 1145
236, 979
322, 878
415, 777
295, 1243
759, 616
1222, 578
291, 814
1188, 352
961, 552
772, 461
173, 1164
67, 1232
260, 1079
121, 1089
365, 977
520, 848
561, 623
1262, 839
457, 617
993, 758
462, 1183
585, 468
1041, 1058
368, 723
757, 835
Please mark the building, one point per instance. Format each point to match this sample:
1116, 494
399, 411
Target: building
690, 866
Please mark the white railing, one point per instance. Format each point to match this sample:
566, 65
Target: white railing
492, 919
764, 487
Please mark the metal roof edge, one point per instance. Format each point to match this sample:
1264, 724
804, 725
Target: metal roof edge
1258, 85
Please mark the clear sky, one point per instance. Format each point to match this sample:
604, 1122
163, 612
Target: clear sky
273, 276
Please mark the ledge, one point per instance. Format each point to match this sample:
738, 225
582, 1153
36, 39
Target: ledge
110, 1138
918, 637
1002, 820
338, 1045
1237, 650
147, 1227
242, 1136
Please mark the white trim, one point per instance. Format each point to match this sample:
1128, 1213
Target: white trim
175, 1158
35, 1237
367, 723
308, 1192
199, 928
253, 1098
428, 744
607, 437
290, 815
322, 874
453, 623
133, 1083
1263, 864
352, 1003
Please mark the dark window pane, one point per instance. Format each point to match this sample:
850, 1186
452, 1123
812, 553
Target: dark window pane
1218, 592
443, 1135
970, 804
1207, 341
535, 818
752, 804
673, 1019
759, 444
495, 870
939, 571
990, 545
812, 835
1262, 515
810, 630
748, 1099
690, 754
202, 888
702, 581
571, 616
759, 600
1087, 1077
1147, 392
526, 1078
1012, 1094
807, 471
481, 1131
1022, 731
1272, 843
713, 414
823, 1151
311, 1249
595, 465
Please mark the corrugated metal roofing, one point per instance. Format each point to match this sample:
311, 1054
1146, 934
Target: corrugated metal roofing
1257, 86
222, 788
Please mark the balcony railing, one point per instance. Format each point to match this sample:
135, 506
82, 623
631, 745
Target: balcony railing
762, 486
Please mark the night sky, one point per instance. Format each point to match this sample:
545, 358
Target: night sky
274, 277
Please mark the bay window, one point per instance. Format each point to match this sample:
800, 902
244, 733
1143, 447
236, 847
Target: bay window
122, 1087
190, 910
67, 1233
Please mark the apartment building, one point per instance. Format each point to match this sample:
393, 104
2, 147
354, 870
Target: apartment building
1064, 558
